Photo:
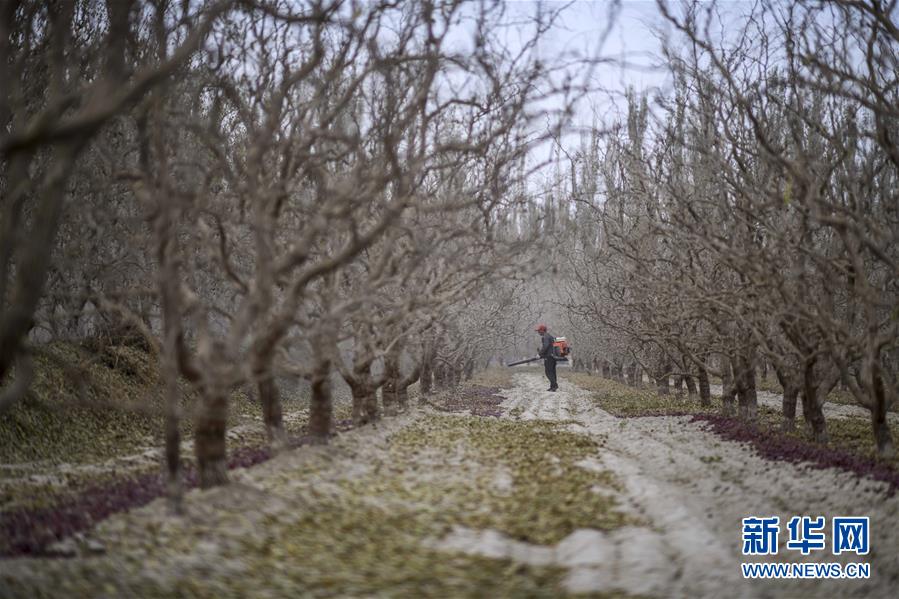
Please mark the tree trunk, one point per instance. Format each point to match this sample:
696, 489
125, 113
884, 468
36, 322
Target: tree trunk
705, 391
372, 411
390, 393
389, 397
440, 376
428, 355
167, 281
321, 409
455, 376
174, 486
678, 385
402, 398
814, 416
728, 392
427, 368
402, 391
468, 371
791, 392
883, 438
169, 370
210, 436
811, 404
789, 408
272, 414
168, 365
746, 391
691, 386
365, 403
661, 377
662, 385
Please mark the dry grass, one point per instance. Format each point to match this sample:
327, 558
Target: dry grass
496, 376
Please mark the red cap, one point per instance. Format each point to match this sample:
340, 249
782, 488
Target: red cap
541, 328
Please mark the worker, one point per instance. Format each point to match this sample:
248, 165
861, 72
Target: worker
549, 360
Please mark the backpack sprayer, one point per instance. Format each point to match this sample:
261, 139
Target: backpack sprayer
561, 349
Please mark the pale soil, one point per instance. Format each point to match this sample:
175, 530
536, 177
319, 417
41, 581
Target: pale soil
831, 409
692, 489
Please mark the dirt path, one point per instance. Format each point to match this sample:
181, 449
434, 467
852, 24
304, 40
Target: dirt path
692, 490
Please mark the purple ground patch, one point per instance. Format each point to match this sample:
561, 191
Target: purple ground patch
655, 414
781, 447
480, 401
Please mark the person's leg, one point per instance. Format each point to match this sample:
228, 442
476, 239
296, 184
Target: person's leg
551, 373
546, 369
555, 381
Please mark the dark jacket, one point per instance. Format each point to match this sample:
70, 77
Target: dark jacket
546, 348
